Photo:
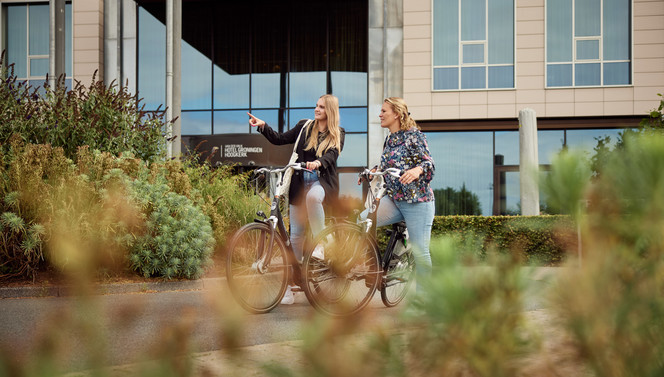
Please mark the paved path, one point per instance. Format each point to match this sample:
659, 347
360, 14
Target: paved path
130, 318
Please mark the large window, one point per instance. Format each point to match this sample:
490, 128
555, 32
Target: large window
588, 43
27, 41
273, 59
473, 44
477, 173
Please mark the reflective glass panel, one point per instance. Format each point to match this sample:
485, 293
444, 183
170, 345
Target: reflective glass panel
350, 88
266, 89
445, 78
473, 77
348, 187
353, 119
549, 144
295, 115
271, 117
195, 122
473, 20
196, 79
232, 56
559, 75
587, 18
463, 159
231, 122
445, 35
306, 87
617, 73
617, 29
559, 31
507, 145
38, 33
354, 152
586, 140
501, 77
587, 74
501, 32
17, 39
38, 67
473, 53
151, 60
587, 49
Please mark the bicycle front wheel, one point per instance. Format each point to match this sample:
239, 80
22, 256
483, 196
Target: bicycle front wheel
257, 269
341, 272
397, 278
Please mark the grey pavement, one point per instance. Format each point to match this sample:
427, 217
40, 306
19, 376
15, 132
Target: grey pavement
248, 359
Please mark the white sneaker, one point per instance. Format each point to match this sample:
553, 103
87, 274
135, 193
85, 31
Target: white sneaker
289, 297
318, 252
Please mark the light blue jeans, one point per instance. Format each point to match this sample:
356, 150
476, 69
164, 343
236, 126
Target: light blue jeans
311, 212
419, 220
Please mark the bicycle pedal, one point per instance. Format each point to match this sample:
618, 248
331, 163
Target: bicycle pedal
296, 289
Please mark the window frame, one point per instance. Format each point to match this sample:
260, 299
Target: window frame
576, 61
460, 45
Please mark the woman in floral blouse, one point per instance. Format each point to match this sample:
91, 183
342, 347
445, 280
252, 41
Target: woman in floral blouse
410, 196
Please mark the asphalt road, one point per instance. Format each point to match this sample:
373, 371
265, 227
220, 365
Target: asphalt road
115, 329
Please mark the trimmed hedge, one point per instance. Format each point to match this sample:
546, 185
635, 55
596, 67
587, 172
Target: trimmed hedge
540, 240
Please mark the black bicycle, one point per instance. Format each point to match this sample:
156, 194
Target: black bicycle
260, 260
345, 268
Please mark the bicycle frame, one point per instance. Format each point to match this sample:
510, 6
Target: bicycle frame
371, 224
276, 224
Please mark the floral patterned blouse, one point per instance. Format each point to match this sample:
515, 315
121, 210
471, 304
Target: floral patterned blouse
405, 150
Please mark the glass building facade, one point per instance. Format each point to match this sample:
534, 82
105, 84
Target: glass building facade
273, 59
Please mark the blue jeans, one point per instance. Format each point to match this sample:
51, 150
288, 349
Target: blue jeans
311, 212
419, 220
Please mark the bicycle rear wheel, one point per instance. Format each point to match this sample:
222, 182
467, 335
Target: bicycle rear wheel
341, 271
257, 277
398, 278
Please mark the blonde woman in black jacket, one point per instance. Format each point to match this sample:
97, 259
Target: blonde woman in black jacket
319, 147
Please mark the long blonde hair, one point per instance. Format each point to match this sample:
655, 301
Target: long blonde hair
401, 109
333, 138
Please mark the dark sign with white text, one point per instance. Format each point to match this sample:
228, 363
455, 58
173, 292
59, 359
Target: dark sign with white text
240, 149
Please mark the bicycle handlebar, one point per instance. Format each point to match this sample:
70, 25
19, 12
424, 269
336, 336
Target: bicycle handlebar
391, 171
296, 166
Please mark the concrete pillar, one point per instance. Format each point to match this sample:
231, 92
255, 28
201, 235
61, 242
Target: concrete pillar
385, 67
528, 163
173, 73
56, 40
112, 42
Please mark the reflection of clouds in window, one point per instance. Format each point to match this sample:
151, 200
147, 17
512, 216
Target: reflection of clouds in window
350, 88
549, 144
354, 119
196, 92
348, 185
195, 122
306, 88
354, 152
464, 158
507, 145
231, 122
151, 58
265, 90
230, 91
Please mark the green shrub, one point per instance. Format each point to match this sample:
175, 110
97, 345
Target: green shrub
613, 305
542, 240
109, 118
178, 241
